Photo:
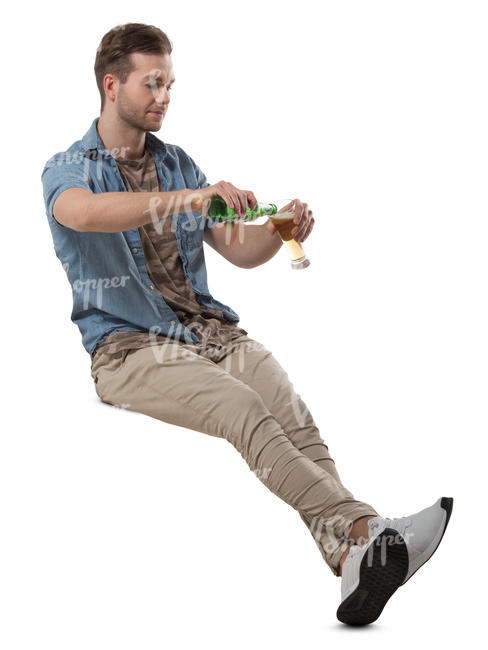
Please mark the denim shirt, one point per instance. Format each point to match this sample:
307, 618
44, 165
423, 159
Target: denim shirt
111, 288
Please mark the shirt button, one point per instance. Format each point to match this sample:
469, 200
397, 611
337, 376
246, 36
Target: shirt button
134, 250
151, 286
172, 322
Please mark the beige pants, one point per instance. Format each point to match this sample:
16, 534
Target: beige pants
241, 393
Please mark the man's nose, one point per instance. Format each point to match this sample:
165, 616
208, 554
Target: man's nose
163, 96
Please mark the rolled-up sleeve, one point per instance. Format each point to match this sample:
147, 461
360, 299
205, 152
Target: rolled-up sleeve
59, 175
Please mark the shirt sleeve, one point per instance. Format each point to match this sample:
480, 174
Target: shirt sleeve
59, 175
209, 223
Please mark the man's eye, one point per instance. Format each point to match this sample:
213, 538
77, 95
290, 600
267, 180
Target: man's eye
151, 85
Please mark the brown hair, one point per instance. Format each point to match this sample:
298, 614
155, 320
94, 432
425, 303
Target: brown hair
113, 53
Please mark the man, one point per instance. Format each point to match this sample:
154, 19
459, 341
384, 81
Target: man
125, 212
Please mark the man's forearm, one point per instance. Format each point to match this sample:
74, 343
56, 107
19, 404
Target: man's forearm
117, 211
254, 245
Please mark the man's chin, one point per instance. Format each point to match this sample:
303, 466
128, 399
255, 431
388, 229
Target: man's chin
154, 122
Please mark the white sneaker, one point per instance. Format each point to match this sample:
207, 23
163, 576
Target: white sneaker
370, 576
422, 531
395, 550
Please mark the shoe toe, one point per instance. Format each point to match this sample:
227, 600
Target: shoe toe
424, 534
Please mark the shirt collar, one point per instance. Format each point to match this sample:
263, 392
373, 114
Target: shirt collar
91, 140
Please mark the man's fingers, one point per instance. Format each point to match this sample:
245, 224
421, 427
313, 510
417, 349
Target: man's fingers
298, 211
243, 203
237, 200
302, 232
308, 231
252, 200
239, 203
300, 221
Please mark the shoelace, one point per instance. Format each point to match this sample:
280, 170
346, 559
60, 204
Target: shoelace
399, 523
354, 550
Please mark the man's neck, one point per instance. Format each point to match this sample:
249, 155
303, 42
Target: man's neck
122, 140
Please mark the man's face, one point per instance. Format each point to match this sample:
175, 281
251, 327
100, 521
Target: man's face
143, 100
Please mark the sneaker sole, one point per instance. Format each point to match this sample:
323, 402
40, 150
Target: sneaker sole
382, 570
446, 503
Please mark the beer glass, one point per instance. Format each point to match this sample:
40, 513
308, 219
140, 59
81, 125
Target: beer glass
283, 222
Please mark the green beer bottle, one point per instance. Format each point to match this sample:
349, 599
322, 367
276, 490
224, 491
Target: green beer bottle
220, 211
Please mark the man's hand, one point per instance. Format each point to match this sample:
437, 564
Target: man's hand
236, 199
303, 221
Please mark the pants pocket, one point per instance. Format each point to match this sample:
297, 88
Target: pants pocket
104, 368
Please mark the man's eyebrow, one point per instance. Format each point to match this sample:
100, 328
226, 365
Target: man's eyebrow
151, 76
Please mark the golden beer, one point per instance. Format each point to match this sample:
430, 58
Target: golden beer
284, 224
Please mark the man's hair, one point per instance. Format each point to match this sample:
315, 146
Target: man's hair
116, 47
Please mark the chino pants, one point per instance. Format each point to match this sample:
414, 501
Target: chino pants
241, 393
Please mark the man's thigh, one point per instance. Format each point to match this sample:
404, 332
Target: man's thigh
173, 383
252, 363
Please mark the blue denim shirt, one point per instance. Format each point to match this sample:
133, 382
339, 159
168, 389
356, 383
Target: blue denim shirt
111, 288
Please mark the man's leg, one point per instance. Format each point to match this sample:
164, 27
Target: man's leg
174, 383
251, 362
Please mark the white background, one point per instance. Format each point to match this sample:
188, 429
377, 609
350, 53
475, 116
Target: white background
120, 531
